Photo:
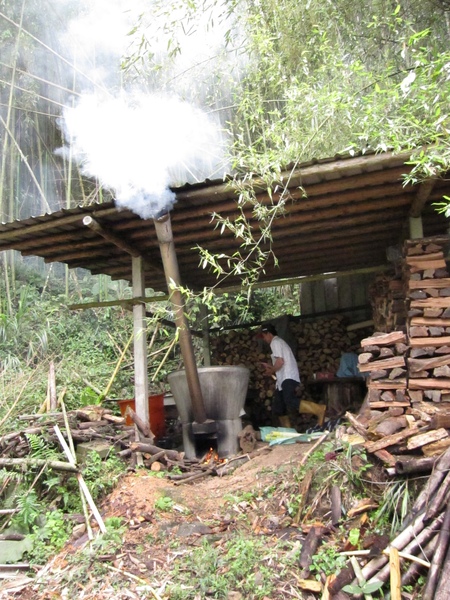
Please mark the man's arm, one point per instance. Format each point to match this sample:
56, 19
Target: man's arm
276, 366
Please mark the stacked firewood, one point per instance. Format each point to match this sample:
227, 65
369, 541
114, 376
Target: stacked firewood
428, 319
96, 429
320, 344
384, 358
410, 373
387, 298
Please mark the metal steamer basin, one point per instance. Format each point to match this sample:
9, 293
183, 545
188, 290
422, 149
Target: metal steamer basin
224, 389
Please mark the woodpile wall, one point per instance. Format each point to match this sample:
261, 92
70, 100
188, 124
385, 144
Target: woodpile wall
410, 368
319, 345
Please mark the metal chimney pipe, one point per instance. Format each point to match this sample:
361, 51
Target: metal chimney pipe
167, 247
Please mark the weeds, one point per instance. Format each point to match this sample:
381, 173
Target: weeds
242, 565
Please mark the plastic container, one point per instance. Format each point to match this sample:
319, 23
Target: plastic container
155, 411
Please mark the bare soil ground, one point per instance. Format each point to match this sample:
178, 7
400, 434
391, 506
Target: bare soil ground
152, 536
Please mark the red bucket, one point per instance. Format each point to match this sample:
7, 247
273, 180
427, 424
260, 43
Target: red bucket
155, 410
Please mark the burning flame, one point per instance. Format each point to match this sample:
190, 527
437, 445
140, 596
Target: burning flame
213, 457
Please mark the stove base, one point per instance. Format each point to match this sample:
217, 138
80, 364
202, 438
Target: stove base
225, 441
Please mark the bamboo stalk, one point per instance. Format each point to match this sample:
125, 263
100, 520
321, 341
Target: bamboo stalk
441, 467
81, 481
438, 558
116, 369
416, 541
165, 357
414, 570
72, 450
404, 537
436, 504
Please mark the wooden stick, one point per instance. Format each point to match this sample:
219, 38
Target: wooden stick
303, 494
52, 386
411, 557
309, 547
394, 563
311, 450
336, 504
359, 575
57, 465
194, 477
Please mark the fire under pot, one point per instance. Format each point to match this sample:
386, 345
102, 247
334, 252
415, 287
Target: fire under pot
224, 389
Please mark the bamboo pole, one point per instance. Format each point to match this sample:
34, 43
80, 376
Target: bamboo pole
438, 558
83, 487
116, 369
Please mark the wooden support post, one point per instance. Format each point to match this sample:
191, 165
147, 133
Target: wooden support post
205, 337
140, 342
415, 228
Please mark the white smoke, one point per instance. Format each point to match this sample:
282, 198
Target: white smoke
138, 145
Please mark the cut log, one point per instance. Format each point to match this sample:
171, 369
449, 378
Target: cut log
436, 448
150, 449
424, 342
426, 284
426, 438
422, 364
388, 363
428, 384
390, 440
384, 339
415, 465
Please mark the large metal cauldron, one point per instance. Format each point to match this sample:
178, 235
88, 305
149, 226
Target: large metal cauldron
224, 389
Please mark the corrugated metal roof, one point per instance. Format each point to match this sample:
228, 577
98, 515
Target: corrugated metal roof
354, 208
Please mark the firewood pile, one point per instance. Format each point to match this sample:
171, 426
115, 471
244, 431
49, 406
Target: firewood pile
96, 429
320, 344
387, 298
409, 373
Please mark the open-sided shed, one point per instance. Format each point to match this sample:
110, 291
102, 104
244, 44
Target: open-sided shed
342, 215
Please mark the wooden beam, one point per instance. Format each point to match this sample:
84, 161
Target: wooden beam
110, 236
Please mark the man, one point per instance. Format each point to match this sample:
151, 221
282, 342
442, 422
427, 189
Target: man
284, 367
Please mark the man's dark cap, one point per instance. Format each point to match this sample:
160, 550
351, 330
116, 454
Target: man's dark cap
268, 329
